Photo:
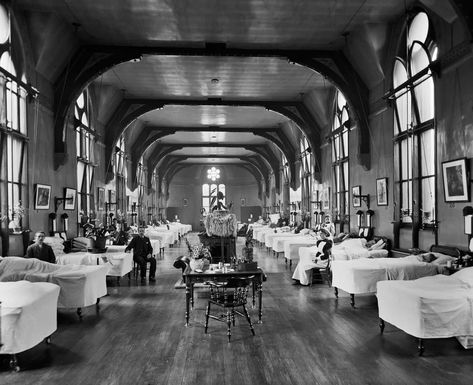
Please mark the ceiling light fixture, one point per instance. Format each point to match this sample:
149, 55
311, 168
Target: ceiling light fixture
214, 81
213, 174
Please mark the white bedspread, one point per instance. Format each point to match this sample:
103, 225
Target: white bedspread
270, 237
430, 307
361, 275
28, 314
80, 285
354, 248
292, 246
165, 236
117, 262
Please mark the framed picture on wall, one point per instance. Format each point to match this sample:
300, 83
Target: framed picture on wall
185, 202
382, 191
100, 198
242, 201
356, 192
456, 184
70, 198
42, 196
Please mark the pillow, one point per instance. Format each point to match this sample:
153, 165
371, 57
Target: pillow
378, 245
426, 257
305, 231
442, 259
465, 275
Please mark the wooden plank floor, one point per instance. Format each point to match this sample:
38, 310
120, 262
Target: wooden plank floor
307, 337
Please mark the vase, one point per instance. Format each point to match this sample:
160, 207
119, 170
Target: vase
100, 243
199, 264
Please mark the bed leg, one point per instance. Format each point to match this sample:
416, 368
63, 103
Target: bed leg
381, 325
79, 313
335, 289
352, 300
14, 363
420, 346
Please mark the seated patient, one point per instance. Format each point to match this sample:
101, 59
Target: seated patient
40, 250
312, 257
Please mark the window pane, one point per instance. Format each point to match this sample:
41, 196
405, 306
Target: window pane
406, 202
345, 175
221, 187
205, 189
345, 143
213, 190
404, 160
427, 152
428, 200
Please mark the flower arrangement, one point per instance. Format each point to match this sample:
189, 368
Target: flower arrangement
95, 231
197, 250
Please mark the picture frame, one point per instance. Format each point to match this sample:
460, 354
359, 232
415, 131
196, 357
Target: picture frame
42, 196
242, 201
456, 180
100, 198
185, 202
382, 191
325, 198
356, 192
69, 198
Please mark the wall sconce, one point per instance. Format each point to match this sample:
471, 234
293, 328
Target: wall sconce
359, 217
364, 198
468, 217
65, 218
318, 204
369, 215
53, 216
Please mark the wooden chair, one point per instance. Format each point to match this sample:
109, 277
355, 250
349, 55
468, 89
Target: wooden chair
323, 274
229, 295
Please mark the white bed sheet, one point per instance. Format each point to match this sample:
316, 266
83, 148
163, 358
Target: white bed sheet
117, 262
80, 285
270, 237
28, 314
164, 236
354, 248
361, 275
292, 246
431, 307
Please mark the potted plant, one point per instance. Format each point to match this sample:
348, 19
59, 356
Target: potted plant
98, 232
199, 256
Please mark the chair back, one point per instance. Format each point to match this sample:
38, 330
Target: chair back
233, 292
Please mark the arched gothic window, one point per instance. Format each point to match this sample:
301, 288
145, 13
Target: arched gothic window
339, 135
306, 172
13, 123
85, 156
414, 132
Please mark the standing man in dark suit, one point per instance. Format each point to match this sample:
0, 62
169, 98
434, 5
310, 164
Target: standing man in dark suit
40, 250
142, 254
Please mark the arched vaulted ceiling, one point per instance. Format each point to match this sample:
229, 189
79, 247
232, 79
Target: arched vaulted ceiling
191, 71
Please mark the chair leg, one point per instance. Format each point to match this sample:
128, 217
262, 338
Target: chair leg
248, 319
207, 313
229, 324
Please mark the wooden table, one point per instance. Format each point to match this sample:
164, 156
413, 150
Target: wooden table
191, 277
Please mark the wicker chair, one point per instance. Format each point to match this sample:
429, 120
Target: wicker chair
229, 295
